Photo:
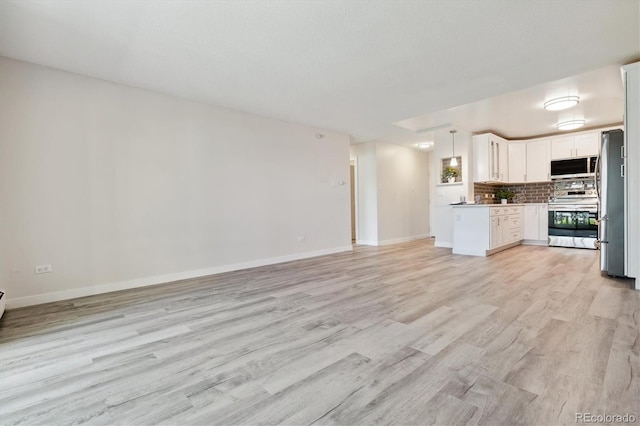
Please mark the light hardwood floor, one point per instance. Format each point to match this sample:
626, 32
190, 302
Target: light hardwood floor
403, 334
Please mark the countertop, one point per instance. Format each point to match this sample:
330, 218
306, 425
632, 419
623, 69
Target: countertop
497, 205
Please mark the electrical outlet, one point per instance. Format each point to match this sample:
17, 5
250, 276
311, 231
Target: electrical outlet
301, 238
42, 269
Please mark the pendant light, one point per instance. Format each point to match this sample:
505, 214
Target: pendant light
454, 160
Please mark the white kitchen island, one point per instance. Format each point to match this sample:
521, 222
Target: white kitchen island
485, 229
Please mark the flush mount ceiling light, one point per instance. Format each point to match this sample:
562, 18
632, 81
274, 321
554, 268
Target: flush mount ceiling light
564, 102
454, 160
570, 124
425, 145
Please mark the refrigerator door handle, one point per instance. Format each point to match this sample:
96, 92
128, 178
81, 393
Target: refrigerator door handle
596, 177
621, 170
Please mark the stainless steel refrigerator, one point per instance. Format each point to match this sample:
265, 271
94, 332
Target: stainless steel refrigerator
610, 186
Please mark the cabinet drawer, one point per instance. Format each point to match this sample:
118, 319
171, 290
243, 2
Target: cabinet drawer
515, 210
515, 221
515, 236
497, 211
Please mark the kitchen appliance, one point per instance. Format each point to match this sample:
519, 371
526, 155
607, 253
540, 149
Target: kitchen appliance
573, 214
610, 186
574, 168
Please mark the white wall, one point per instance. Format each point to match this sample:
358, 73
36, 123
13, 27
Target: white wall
403, 193
632, 164
442, 195
393, 193
119, 187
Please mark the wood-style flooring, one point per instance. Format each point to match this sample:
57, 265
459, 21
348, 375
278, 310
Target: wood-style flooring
406, 334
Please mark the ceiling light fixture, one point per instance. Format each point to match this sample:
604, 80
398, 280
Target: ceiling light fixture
454, 160
425, 145
564, 102
570, 124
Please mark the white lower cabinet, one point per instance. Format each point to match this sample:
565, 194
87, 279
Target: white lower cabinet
536, 224
506, 225
481, 230
496, 233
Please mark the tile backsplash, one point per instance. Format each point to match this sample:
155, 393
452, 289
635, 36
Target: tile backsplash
525, 192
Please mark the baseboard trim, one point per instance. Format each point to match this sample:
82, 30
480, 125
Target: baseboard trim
57, 296
481, 253
502, 248
442, 244
535, 242
392, 241
402, 240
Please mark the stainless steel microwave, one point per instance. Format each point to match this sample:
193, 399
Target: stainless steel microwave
573, 168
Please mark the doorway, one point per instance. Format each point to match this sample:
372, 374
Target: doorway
352, 181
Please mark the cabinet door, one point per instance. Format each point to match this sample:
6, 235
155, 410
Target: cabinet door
503, 161
481, 158
587, 145
543, 222
531, 223
494, 158
538, 161
562, 147
517, 162
505, 229
496, 232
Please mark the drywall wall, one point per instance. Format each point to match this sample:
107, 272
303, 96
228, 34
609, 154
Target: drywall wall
443, 194
364, 156
393, 193
118, 187
632, 164
403, 193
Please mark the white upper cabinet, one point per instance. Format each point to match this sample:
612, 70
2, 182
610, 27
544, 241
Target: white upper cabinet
517, 162
572, 146
503, 159
529, 161
562, 147
490, 158
538, 161
588, 144
496, 160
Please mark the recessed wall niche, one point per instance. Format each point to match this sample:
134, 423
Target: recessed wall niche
450, 174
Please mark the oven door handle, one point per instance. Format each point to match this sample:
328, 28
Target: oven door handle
561, 210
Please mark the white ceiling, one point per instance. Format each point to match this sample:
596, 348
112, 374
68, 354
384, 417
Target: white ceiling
353, 66
521, 114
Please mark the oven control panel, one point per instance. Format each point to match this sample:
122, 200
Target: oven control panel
569, 189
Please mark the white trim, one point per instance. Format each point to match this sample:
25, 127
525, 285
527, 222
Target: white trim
503, 248
402, 240
355, 193
466, 252
393, 241
535, 242
162, 279
443, 244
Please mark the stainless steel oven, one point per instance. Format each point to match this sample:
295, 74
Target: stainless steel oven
573, 225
